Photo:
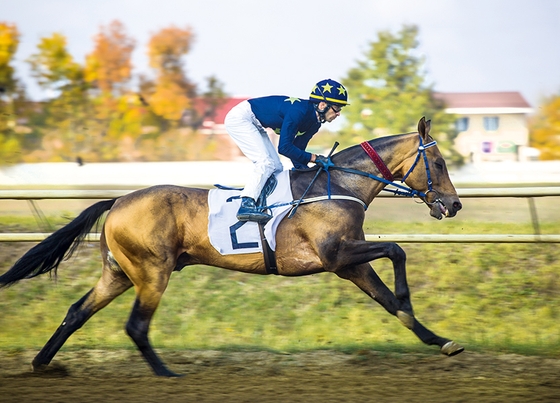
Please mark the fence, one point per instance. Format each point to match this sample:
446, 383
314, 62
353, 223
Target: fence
526, 192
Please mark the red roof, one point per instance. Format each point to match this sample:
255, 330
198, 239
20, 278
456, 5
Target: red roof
221, 111
482, 99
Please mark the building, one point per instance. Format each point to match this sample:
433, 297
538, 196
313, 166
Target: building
492, 126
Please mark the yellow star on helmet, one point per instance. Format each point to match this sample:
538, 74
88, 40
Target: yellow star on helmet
292, 100
341, 90
327, 87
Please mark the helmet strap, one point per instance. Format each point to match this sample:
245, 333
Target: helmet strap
322, 112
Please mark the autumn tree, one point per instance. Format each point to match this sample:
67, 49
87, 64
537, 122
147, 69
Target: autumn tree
10, 137
172, 92
109, 66
389, 93
118, 113
9, 41
545, 129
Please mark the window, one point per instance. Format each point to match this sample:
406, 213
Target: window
462, 124
491, 123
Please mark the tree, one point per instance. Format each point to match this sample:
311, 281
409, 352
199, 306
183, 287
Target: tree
67, 112
544, 129
10, 138
172, 93
389, 94
117, 111
9, 41
208, 104
109, 66
52, 66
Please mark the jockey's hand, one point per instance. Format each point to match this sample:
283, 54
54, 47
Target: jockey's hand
324, 162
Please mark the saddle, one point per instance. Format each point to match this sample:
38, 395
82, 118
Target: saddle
268, 254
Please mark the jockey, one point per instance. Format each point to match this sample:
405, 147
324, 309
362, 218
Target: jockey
295, 120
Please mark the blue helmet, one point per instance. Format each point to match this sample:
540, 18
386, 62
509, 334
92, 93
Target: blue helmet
330, 91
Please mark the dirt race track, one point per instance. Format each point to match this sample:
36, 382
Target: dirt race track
323, 376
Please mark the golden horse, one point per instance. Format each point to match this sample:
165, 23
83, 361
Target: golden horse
152, 232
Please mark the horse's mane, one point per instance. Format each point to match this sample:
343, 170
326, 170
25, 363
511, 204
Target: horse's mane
378, 143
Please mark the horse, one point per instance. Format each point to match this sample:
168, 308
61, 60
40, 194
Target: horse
149, 233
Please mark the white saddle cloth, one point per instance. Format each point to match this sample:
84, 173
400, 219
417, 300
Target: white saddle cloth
230, 236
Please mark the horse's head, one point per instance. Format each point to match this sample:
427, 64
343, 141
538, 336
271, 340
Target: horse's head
426, 172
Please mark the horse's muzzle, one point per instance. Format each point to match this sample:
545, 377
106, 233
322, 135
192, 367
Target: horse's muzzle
439, 209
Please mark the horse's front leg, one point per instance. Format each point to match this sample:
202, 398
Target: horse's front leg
356, 254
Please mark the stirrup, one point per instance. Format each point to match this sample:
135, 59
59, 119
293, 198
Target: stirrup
256, 216
248, 211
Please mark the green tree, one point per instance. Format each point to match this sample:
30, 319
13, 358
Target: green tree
67, 112
389, 93
211, 99
544, 129
53, 67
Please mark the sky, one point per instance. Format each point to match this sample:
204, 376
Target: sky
262, 47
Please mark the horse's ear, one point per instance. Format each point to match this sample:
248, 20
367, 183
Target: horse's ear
424, 127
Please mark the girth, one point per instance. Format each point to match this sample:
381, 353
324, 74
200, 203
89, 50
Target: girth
268, 254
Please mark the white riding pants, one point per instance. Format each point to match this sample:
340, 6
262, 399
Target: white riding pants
253, 141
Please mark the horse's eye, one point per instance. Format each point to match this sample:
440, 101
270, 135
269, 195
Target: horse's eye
437, 164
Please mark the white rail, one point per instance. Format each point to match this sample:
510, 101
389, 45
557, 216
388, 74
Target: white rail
528, 192
33, 194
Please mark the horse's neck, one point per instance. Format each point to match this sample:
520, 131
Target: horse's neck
394, 151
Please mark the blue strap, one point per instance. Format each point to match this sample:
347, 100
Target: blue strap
405, 191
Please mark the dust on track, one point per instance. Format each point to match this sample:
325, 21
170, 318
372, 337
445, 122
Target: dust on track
319, 376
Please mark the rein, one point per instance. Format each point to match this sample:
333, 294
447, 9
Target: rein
388, 177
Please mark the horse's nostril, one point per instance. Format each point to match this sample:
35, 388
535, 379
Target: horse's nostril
457, 206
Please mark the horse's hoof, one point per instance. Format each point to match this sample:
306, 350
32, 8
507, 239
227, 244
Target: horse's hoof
451, 348
406, 319
168, 374
174, 375
55, 370
39, 367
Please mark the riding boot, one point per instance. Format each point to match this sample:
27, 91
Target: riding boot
248, 211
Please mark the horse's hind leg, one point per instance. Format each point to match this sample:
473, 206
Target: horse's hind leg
369, 282
110, 285
148, 296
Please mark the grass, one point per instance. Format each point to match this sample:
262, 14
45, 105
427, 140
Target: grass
488, 297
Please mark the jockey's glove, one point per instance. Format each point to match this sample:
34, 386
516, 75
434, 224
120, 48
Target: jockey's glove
324, 162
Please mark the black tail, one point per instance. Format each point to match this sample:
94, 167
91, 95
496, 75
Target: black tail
60, 245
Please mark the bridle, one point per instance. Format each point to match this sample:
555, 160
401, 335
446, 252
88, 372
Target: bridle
387, 178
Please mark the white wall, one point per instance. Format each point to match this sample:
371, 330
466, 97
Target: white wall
136, 174
234, 174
